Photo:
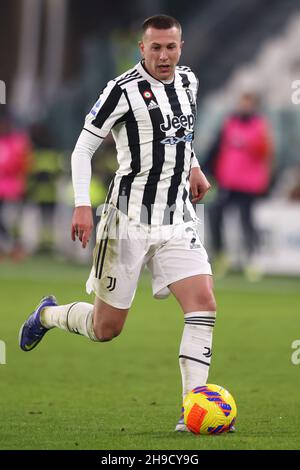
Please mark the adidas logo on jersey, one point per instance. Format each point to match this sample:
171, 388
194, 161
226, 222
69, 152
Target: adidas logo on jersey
152, 105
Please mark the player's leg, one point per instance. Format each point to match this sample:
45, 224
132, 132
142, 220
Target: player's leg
194, 292
181, 265
98, 322
108, 321
196, 298
113, 278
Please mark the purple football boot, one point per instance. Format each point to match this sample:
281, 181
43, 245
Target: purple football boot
32, 331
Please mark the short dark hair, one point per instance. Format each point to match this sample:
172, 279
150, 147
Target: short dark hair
160, 22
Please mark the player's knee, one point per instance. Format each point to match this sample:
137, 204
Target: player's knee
106, 333
206, 301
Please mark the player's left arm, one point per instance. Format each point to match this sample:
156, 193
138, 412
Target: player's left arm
198, 183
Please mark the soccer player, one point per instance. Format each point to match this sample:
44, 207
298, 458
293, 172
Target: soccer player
148, 218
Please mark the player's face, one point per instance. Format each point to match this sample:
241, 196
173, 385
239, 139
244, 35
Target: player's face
161, 49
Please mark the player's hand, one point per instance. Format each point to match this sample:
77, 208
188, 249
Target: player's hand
82, 224
199, 184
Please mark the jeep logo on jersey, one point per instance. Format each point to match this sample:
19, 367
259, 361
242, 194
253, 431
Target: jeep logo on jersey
185, 120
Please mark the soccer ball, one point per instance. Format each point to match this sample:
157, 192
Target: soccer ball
209, 409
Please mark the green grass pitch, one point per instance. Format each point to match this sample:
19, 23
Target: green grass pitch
70, 393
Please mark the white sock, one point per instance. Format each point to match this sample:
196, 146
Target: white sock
75, 318
195, 349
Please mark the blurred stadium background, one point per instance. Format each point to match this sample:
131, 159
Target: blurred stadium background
56, 55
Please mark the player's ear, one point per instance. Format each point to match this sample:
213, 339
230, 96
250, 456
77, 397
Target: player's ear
180, 49
142, 47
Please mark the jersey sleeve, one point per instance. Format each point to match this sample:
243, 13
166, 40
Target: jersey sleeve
195, 87
194, 161
84, 150
110, 107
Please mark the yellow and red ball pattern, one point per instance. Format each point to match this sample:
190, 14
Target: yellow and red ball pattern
209, 409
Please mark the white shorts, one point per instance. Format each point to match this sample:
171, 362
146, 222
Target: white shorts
123, 248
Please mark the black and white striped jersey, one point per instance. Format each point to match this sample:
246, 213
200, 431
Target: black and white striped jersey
152, 123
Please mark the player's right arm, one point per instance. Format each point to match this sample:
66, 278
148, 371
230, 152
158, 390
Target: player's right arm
109, 108
82, 224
